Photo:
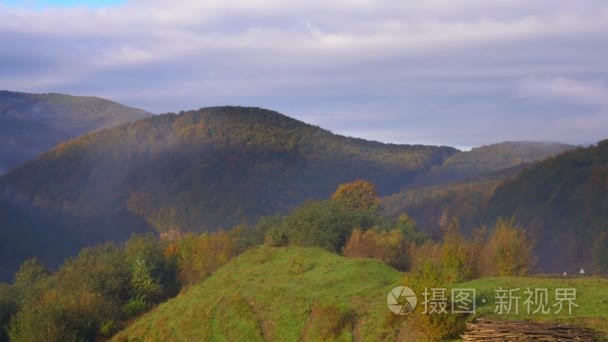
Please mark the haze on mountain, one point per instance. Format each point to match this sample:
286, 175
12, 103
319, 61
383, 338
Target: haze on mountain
222, 166
199, 170
462, 186
31, 124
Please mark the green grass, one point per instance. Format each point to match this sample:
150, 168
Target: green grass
290, 294
283, 294
591, 298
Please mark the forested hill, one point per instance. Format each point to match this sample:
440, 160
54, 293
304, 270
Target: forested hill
34, 123
23, 140
203, 169
462, 186
490, 159
564, 200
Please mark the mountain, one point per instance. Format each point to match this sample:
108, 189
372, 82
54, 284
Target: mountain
33, 123
199, 170
462, 186
24, 140
488, 160
286, 294
564, 201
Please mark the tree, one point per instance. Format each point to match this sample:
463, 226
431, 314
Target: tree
600, 253
509, 250
30, 272
144, 285
359, 195
152, 275
391, 247
320, 224
456, 262
8, 308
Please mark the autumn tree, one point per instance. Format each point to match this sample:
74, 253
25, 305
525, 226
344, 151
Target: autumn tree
508, 251
390, 247
359, 195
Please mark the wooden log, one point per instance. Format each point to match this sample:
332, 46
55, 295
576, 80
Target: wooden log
488, 330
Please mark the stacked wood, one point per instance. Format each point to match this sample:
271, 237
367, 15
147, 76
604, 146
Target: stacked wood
487, 330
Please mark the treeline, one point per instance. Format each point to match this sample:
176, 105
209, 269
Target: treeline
504, 250
565, 199
195, 171
94, 294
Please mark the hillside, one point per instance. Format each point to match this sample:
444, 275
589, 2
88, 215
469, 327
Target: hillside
33, 123
309, 294
489, 159
462, 186
279, 293
564, 200
465, 200
199, 170
24, 140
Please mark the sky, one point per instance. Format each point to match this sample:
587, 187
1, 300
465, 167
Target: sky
452, 72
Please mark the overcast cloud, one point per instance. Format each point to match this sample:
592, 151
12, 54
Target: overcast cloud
454, 72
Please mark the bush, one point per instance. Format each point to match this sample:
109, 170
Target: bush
320, 224
390, 247
508, 251
197, 256
276, 237
429, 271
328, 323
456, 254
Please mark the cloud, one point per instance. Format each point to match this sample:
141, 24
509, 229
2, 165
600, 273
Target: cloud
450, 72
562, 88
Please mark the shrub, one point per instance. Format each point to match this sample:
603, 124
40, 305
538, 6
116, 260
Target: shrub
328, 323
456, 258
320, 224
508, 251
429, 272
200, 255
390, 247
276, 236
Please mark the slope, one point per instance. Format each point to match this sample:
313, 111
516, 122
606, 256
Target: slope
200, 170
33, 123
285, 294
490, 159
462, 186
565, 201
23, 140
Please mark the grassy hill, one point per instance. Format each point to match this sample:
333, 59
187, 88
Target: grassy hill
33, 123
199, 170
286, 294
292, 294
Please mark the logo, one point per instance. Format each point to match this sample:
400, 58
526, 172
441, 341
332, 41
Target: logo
401, 300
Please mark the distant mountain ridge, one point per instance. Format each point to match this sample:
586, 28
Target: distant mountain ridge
462, 186
221, 166
488, 159
33, 123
